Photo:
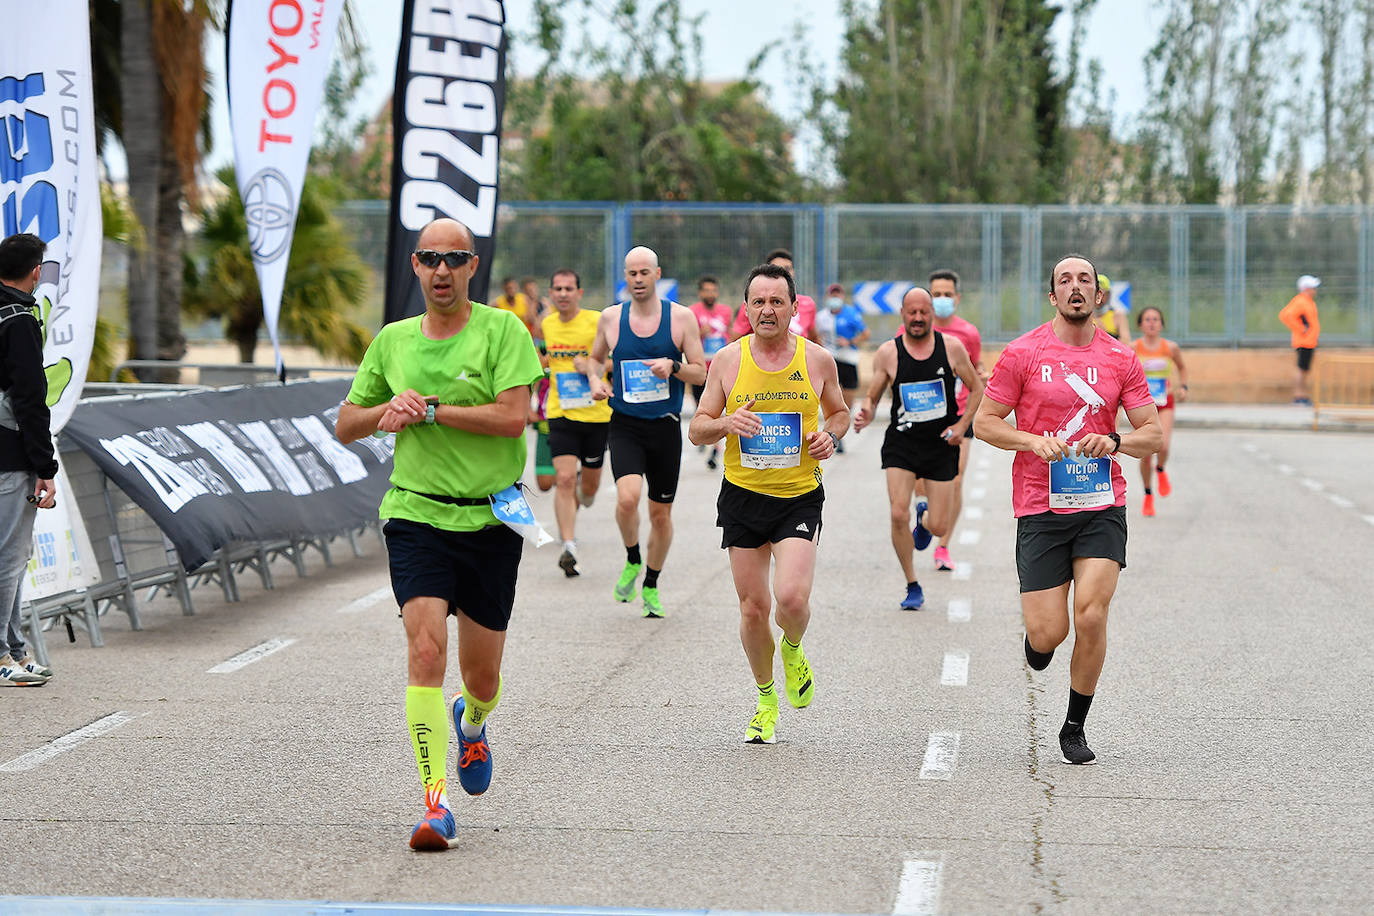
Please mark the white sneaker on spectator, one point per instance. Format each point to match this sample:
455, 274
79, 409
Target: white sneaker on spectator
30, 664
11, 675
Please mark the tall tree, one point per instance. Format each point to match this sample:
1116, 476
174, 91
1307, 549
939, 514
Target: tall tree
1251, 89
141, 120
949, 101
1328, 18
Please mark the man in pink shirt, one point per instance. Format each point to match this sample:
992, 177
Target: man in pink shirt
944, 292
803, 322
714, 317
1066, 380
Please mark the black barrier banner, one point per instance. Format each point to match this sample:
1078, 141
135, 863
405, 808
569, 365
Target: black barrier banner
244, 464
446, 113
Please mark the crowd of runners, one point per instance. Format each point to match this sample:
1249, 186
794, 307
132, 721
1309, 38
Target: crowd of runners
776, 385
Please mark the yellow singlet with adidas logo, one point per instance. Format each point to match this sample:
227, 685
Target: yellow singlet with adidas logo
775, 462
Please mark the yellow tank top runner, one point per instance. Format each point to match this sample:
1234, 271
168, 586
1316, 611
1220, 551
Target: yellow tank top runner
775, 462
570, 395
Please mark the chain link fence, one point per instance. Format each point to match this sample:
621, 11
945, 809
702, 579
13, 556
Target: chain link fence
1219, 275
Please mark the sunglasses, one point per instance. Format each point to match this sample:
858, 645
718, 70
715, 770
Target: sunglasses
454, 259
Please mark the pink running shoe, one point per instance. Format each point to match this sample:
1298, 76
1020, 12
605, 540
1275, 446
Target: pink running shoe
942, 560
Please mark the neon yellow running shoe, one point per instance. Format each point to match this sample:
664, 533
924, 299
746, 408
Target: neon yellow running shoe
653, 606
801, 686
625, 588
761, 727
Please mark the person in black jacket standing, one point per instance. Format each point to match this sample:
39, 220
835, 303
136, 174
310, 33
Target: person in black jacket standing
27, 461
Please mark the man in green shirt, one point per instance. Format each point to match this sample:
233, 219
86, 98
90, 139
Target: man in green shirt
453, 384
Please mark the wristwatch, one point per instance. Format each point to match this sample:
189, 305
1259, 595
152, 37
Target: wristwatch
429, 414
677, 365
833, 438
1116, 442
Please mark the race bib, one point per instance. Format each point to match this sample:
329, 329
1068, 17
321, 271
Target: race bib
779, 445
1159, 389
1078, 482
511, 509
639, 385
713, 345
923, 401
573, 390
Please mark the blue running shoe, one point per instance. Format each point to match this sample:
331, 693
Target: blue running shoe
914, 599
437, 830
919, 535
474, 757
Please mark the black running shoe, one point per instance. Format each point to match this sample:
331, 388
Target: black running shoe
1074, 745
568, 563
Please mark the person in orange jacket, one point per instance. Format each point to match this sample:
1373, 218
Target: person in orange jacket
1300, 316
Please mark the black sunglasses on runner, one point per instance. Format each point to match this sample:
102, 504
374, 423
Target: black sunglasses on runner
454, 259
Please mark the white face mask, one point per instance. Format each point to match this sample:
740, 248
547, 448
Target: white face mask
834, 303
944, 306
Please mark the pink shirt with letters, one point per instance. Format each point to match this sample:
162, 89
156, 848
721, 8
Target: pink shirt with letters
973, 342
1066, 392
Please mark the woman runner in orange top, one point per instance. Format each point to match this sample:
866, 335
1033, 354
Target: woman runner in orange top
1160, 359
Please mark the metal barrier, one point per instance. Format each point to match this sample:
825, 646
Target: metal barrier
211, 375
1343, 385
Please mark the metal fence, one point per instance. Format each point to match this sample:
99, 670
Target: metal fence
1220, 275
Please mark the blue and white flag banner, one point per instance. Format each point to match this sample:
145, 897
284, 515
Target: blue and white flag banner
48, 180
880, 297
279, 53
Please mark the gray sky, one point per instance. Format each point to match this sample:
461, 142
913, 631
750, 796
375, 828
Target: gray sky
1118, 33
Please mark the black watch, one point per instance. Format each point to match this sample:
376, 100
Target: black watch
677, 367
1116, 442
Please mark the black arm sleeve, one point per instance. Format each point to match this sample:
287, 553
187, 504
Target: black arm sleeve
21, 348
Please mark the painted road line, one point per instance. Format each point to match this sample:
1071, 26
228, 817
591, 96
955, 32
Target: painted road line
918, 893
1313, 485
960, 610
1284, 468
1249, 447
366, 601
67, 742
257, 653
954, 672
980, 476
962, 571
1369, 518
942, 753
1341, 501
977, 492
973, 512
970, 536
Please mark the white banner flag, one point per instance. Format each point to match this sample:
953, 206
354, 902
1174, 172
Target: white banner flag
48, 181
279, 54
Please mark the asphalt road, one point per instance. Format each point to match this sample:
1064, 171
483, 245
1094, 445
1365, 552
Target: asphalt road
1232, 725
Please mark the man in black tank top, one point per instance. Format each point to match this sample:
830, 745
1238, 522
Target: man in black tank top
923, 436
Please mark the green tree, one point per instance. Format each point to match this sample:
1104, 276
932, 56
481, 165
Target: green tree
949, 101
324, 280
627, 116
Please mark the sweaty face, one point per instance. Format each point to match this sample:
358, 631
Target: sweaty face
444, 287
1151, 324
769, 308
917, 313
566, 295
709, 293
1075, 292
641, 275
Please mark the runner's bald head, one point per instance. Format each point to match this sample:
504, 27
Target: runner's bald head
446, 227
641, 257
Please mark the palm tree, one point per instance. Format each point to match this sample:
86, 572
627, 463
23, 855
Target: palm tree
324, 277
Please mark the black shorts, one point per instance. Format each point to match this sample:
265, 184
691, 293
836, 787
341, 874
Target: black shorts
474, 571
849, 375
927, 458
578, 437
749, 519
649, 447
1047, 543
1305, 357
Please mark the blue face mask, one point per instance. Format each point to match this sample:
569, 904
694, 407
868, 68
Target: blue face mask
835, 303
944, 306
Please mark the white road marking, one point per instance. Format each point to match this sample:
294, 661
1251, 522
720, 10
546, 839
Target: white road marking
1370, 519
1249, 447
1284, 468
962, 571
960, 610
67, 742
918, 894
977, 492
954, 672
1341, 501
942, 752
973, 512
257, 653
980, 476
1313, 485
970, 536
366, 601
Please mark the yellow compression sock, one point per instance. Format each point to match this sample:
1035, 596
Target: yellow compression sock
475, 711
428, 725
